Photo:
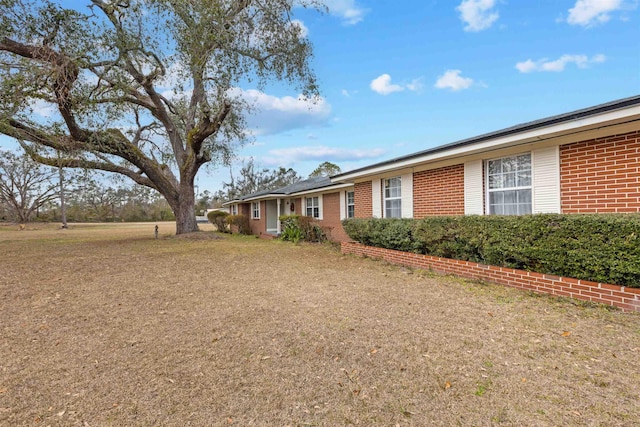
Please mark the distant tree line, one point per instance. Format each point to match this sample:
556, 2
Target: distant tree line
30, 191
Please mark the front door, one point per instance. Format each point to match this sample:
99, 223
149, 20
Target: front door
272, 216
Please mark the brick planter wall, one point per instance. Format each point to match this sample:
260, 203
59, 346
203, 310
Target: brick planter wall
627, 299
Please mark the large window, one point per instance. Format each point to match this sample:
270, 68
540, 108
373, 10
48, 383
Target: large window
393, 197
509, 185
351, 204
312, 207
255, 210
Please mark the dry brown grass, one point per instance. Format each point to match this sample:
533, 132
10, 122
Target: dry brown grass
104, 325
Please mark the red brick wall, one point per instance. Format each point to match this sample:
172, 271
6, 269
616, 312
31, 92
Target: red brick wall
601, 175
331, 217
627, 299
439, 192
258, 226
362, 200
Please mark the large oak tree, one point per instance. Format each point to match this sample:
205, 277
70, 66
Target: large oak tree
148, 89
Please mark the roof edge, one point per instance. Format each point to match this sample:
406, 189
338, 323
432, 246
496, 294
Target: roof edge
521, 128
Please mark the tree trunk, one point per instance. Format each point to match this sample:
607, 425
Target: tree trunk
185, 210
63, 208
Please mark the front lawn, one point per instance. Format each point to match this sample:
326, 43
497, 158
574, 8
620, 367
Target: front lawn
105, 325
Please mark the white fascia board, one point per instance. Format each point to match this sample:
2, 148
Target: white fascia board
231, 202
323, 190
535, 135
264, 197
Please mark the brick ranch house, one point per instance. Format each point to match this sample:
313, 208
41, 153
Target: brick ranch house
327, 202
585, 161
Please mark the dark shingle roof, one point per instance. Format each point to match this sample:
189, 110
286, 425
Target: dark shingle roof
297, 187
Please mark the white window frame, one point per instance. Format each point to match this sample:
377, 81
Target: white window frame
255, 210
397, 180
515, 187
317, 205
234, 209
350, 205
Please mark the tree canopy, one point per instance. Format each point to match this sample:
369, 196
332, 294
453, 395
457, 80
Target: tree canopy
325, 169
148, 89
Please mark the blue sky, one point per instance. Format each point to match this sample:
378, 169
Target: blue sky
400, 77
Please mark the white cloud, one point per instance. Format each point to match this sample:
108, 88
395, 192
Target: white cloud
416, 85
304, 31
383, 85
581, 61
452, 79
43, 108
477, 14
280, 114
347, 10
345, 92
591, 12
320, 152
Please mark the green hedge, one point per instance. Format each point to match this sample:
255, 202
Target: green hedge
600, 248
219, 219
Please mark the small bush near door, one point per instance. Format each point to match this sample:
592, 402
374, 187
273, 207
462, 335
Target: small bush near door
296, 228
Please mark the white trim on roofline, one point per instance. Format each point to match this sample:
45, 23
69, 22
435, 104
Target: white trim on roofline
619, 117
323, 190
271, 196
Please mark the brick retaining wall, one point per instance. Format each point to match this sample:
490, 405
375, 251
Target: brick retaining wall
627, 299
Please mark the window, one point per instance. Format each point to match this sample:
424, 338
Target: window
255, 210
234, 209
351, 205
393, 197
509, 185
312, 207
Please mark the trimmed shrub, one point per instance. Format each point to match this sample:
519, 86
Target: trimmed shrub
296, 228
219, 219
596, 247
239, 224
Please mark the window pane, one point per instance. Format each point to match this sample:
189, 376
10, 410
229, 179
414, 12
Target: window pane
509, 209
496, 198
524, 162
524, 197
524, 178
509, 164
510, 197
393, 208
495, 181
509, 180
494, 167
